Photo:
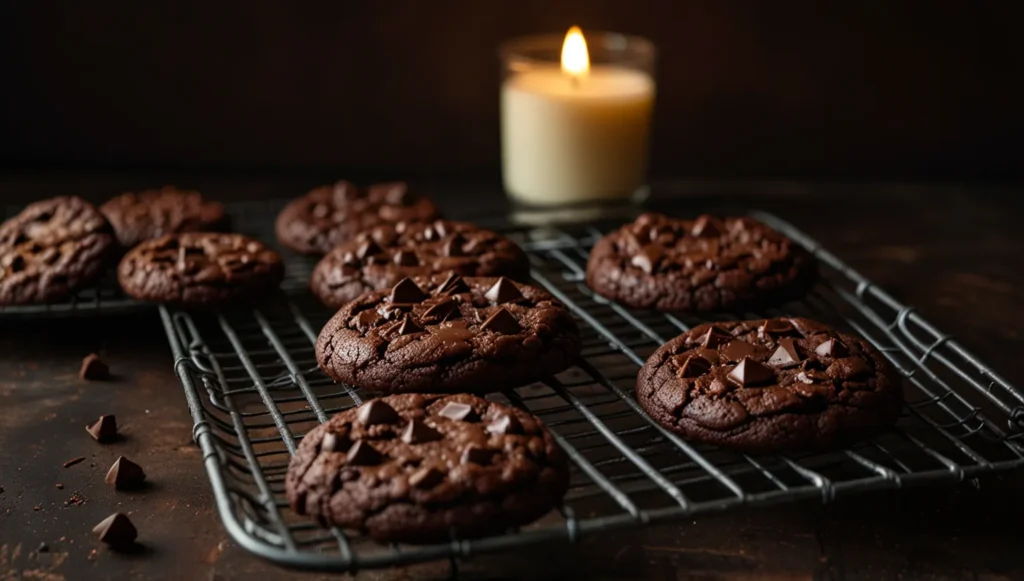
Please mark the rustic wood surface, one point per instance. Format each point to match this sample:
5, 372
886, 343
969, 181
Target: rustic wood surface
953, 252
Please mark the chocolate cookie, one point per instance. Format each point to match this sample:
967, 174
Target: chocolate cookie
380, 257
774, 385
154, 213
707, 264
448, 334
330, 215
199, 268
415, 468
52, 249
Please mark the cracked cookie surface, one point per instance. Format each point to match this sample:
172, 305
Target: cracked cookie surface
707, 264
329, 215
418, 468
380, 257
770, 385
200, 268
448, 334
140, 216
51, 249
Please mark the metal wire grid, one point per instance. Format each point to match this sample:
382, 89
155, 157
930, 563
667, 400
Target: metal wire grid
254, 390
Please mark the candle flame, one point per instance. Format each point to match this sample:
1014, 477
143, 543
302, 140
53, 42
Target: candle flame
575, 60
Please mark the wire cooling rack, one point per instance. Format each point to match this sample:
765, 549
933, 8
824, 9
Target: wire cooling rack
106, 297
254, 390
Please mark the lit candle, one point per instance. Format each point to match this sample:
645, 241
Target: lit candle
575, 133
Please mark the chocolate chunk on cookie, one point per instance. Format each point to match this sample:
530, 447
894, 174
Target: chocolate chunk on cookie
200, 268
139, 216
774, 385
380, 257
52, 249
707, 264
428, 468
330, 215
448, 334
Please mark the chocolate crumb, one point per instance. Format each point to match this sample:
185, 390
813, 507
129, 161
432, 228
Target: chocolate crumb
74, 461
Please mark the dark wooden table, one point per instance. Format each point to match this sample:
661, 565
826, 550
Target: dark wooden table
954, 252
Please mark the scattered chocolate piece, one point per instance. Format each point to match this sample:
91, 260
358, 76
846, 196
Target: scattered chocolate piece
704, 227
775, 327
94, 369
714, 337
831, 348
349, 259
377, 412
749, 373
116, 530
408, 327
453, 285
736, 350
646, 259
454, 246
457, 411
425, 478
694, 366
442, 309
406, 258
60, 486
502, 322
363, 454
43, 548
506, 424
406, 291
710, 354
786, 355
104, 430
417, 432
477, 455
368, 249
125, 475
73, 461
331, 443
503, 291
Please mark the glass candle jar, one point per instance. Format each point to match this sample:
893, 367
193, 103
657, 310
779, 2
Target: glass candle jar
576, 117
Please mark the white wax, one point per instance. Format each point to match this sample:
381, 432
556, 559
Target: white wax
566, 142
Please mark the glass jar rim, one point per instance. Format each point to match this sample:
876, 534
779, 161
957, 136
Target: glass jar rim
520, 47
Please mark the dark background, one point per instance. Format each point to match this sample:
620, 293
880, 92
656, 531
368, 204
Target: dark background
876, 89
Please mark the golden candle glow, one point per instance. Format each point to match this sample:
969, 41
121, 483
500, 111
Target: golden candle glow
575, 60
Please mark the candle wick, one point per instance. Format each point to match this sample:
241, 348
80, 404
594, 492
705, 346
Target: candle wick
575, 80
